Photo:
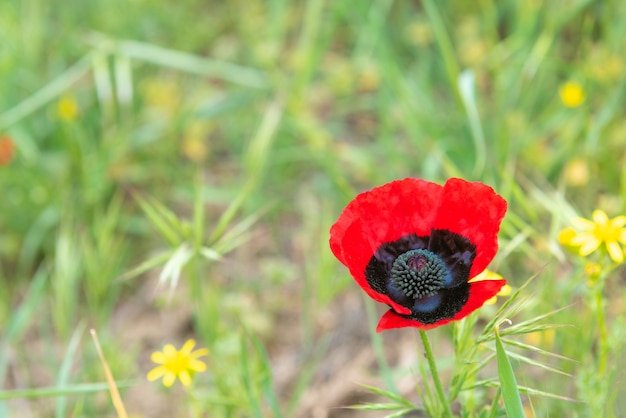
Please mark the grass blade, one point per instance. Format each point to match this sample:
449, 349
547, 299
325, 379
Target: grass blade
508, 384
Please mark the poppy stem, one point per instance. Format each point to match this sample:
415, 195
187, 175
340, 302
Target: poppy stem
447, 412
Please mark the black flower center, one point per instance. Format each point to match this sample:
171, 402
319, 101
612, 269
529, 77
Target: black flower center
418, 273
427, 274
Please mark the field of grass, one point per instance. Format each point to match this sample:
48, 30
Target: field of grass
170, 171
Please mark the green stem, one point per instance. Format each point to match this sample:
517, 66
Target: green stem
447, 412
602, 333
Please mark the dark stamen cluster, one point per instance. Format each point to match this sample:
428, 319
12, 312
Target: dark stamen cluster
418, 273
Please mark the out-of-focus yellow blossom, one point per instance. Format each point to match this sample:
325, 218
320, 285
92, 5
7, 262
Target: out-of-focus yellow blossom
576, 172
593, 233
471, 44
368, 80
67, 108
419, 33
490, 275
181, 364
163, 95
472, 51
605, 65
194, 144
565, 238
592, 271
544, 339
572, 94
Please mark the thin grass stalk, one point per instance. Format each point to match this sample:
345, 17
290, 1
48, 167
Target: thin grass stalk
443, 400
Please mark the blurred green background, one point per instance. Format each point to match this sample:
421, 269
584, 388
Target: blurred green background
174, 169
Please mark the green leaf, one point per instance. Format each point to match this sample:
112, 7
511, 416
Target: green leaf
160, 258
163, 219
508, 384
68, 390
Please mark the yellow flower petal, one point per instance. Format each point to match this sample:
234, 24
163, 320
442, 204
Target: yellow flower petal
169, 350
615, 251
505, 291
583, 239
486, 275
169, 379
600, 217
618, 221
491, 301
197, 365
566, 235
158, 357
589, 246
199, 353
187, 347
156, 373
584, 224
184, 378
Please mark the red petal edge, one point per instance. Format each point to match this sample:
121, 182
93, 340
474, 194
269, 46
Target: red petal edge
388, 212
475, 211
383, 214
480, 292
357, 259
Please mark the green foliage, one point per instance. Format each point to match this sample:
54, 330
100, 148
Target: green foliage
205, 150
508, 383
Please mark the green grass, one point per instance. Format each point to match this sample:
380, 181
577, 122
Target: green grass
214, 145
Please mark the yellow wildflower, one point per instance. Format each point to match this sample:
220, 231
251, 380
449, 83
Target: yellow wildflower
181, 364
572, 94
490, 275
576, 172
194, 143
419, 33
594, 233
67, 108
162, 95
369, 80
592, 271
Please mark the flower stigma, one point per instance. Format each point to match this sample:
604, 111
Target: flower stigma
417, 274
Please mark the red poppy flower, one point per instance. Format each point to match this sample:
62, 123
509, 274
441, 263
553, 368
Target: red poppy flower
414, 245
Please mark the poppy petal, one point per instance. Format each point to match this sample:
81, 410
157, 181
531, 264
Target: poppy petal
480, 292
391, 320
388, 212
357, 259
475, 211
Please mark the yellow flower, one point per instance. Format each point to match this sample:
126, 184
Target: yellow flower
67, 108
576, 172
419, 33
600, 230
572, 94
369, 80
194, 143
490, 275
162, 95
177, 364
592, 271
